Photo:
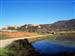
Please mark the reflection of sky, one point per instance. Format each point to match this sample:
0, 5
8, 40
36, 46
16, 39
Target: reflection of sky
49, 47
17, 12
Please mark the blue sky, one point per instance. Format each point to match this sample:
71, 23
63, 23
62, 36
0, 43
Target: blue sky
19, 12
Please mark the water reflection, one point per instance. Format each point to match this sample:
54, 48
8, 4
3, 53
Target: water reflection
50, 47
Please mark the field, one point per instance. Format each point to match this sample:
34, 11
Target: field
55, 38
3, 37
66, 39
6, 35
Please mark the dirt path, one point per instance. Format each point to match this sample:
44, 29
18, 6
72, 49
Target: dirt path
5, 42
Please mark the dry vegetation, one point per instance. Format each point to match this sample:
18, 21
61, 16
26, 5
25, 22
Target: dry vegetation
66, 36
17, 34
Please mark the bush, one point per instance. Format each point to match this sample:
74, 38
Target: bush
3, 52
21, 48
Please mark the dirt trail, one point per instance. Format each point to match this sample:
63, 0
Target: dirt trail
5, 42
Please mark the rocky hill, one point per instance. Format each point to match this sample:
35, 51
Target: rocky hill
46, 28
64, 25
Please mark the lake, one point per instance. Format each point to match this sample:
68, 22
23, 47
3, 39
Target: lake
51, 47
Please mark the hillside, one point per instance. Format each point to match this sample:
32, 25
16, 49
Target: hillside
46, 28
64, 25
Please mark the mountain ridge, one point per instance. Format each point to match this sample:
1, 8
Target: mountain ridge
57, 26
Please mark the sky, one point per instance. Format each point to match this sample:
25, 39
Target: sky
20, 12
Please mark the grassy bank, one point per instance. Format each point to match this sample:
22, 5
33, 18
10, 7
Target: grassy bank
65, 36
49, 37
57, 38
3, 37
3, 51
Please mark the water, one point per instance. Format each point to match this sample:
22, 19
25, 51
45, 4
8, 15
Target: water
50, 47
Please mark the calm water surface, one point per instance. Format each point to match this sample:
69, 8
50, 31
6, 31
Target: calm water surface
50, 47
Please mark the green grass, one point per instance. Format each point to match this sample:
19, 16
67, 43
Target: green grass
68, 34
3, 37
65, 36
49, 37
3, 51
